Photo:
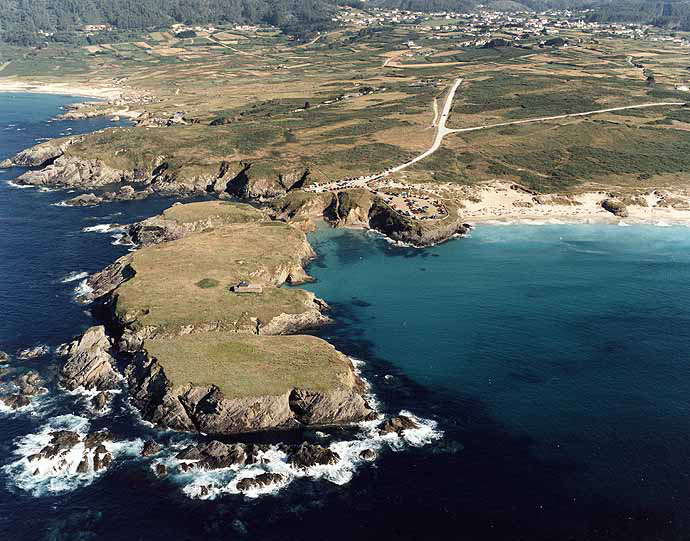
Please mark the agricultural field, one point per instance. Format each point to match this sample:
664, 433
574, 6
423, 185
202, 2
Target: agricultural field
358, 102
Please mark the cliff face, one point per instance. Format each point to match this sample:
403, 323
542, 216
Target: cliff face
66, 171
62, 167
39, 155
361, 208
206, 409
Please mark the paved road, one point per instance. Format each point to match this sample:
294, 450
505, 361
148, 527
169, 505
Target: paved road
441, 130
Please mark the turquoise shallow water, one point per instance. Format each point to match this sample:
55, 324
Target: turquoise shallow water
573, 337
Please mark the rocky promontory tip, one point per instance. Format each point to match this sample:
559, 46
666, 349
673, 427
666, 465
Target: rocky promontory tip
201, 354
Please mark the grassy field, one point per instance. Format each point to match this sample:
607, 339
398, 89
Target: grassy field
186, 282
230, 213
248, 366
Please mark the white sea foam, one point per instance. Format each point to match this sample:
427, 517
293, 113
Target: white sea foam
101, 228
662, 224
107, 217
43, 476
82, 289
41, 404
623, 224
74, 276
34, 352
20, 186
212, 484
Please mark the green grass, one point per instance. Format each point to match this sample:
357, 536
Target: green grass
207, 283
165, 291
249, 366
230, 213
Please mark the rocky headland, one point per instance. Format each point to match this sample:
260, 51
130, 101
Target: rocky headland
90, 164
198, 356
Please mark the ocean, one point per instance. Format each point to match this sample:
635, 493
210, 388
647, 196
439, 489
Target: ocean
550, 363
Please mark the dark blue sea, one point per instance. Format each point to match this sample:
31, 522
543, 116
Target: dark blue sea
553, 359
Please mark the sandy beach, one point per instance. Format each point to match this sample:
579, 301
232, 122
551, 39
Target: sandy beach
505, 202
68, 89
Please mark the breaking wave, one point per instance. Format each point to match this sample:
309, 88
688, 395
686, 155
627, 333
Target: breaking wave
74, 276
41, 475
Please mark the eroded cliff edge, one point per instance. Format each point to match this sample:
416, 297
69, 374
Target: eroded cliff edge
112, 169
200, 357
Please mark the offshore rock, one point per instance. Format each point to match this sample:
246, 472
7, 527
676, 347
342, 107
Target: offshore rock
260, 481
34, 353
89, 363
100, 401
308, 455
84, 200
398, 425
151, 448
15, 401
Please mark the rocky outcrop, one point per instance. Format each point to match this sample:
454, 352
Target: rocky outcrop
107, 280
260, 481
34, 352
4, 357
89, 363
41, 154
248, 185
100, 401
23, 390
151, 448
615, 207
95, 455
261, 182
70, 171
73, 173
397, 425
368, 455
206, 409
84, 200
308, 455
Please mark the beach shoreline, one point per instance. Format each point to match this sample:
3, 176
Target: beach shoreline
79, 90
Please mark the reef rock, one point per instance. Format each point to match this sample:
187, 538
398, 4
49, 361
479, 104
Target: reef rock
260, 481
308, 455
34, 353
397, 425
84, 200
151, 448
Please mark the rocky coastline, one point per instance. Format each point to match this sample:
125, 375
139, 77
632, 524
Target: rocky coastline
126, 353
54, 165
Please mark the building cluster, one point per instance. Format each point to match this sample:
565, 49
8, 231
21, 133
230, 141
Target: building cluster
481, 26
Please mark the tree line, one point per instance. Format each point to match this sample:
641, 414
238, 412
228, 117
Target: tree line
25, 22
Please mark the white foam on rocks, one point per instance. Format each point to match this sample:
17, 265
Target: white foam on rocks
74, 276
212, 484
48, 476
